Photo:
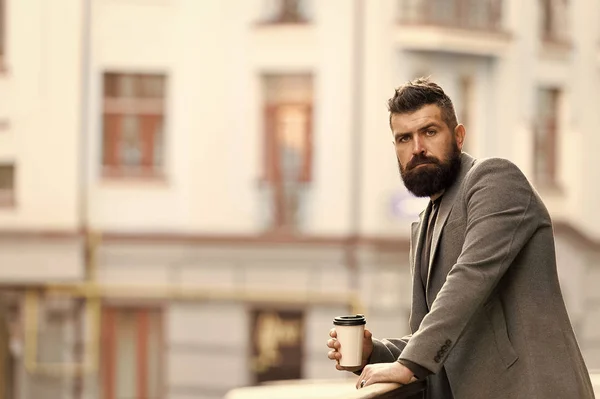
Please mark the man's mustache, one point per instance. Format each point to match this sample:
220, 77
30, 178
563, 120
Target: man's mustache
421, 160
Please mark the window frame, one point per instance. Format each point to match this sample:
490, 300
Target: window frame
545, 137
272, 167
149, 111
109, 347
554, 27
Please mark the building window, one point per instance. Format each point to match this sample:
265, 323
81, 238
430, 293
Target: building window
546, 136
133, 133
132, 351
288, 146
7, 185
464, 14
554, 21
286, 11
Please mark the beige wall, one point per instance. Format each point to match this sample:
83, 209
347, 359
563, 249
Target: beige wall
41, 90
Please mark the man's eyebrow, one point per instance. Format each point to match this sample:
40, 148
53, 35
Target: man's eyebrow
399, 135
421, 129
429, 125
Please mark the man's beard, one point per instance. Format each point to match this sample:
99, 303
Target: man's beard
433, 178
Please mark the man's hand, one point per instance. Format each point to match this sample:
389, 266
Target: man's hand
334, 353
385, 372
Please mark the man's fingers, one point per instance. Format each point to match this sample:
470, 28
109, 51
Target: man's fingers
334, 355
334, 344
364, 376
361, 382
333, 333
368, 334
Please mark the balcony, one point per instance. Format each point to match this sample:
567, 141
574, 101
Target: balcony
460, 14
283, 207
458, 26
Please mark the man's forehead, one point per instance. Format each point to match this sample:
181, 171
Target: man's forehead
420, 117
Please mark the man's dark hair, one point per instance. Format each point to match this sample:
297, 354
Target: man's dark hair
417, 93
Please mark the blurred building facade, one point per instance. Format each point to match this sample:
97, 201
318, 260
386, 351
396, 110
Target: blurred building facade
191, 190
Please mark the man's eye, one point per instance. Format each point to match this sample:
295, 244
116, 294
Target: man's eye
431, 132
403, 139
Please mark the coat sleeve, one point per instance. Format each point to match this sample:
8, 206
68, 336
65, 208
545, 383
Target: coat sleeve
387, 350
500, 221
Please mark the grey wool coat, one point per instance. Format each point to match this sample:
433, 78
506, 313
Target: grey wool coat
492, 312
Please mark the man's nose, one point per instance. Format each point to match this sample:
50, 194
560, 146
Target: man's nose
418, 147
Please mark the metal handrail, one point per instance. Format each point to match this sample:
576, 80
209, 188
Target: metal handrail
414, 390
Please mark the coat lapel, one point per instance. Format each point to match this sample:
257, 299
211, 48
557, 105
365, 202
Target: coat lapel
445, 208
414, 235
415, 232
418, 308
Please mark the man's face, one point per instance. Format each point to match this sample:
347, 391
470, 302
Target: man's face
428, 152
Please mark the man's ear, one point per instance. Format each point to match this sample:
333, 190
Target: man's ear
459, 135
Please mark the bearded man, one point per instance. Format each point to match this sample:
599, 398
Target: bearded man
487, 318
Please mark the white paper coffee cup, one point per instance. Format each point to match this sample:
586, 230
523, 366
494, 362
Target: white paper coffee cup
350, 333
